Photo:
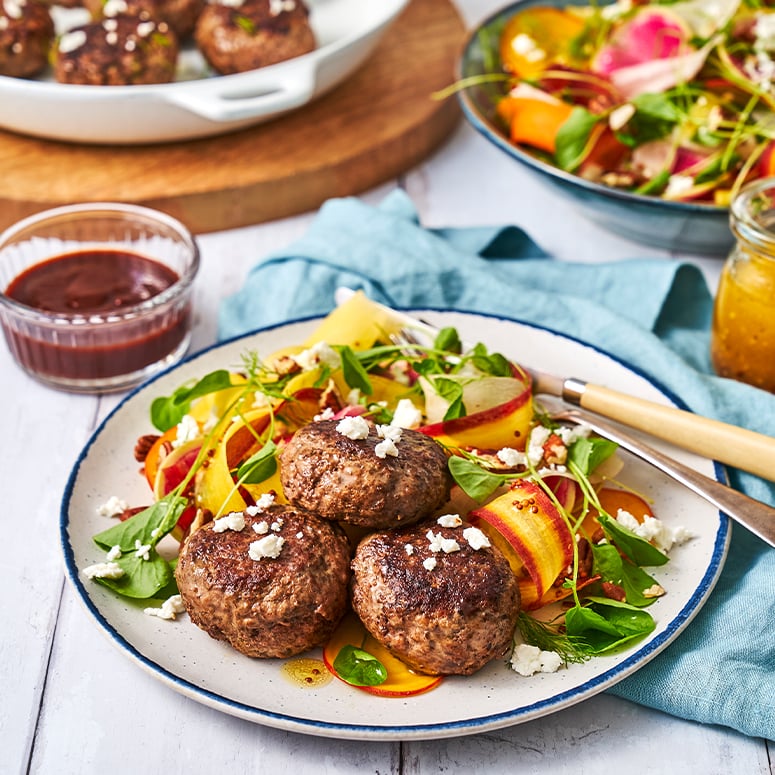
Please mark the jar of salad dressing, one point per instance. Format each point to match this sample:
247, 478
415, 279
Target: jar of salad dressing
743, 328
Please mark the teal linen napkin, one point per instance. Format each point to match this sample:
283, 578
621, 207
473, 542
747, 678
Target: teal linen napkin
651, 313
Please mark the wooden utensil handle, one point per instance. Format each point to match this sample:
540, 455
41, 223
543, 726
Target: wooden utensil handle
738, 447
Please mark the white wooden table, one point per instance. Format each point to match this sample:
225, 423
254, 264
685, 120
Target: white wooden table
71, 703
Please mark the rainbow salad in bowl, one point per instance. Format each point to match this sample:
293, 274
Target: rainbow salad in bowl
672, 100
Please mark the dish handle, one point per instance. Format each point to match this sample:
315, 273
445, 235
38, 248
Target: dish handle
235, 104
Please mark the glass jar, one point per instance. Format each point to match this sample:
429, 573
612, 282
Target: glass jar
743, 328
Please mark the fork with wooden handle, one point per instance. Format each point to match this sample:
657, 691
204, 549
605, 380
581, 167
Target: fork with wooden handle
728, 444
758, 517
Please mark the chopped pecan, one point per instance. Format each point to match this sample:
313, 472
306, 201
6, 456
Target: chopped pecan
285, 365
555, 452
614, 591
143, 446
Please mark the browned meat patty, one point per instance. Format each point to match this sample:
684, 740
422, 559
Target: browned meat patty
26, 35
441, 612
344, 479
117, 51
239, 35
265, 606
181, 15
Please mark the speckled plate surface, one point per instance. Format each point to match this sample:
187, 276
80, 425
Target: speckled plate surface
198, 103
189, 661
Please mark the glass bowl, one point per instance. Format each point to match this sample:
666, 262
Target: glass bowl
97, 297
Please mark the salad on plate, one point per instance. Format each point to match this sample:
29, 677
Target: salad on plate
670, 99
521, 492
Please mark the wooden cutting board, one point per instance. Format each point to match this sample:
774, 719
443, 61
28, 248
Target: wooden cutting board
374, 126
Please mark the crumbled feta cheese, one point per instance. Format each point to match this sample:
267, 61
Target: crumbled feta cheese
262, 528
276, 7
511, 457
269, 546
678, 185
319, 354
170, 608
407, 415
112, 507
429, 563
409, 549
529, 660
437, 543
114, 553
619, 117
654, 530
71, 41
386, 447
392, 432
104, 570
264, 501
300, 534
234, 520
450, 520
523, 45
276, 526
188, 430
570, 433
326, 414
354, 427
260, 400
144, 29
13, 8
476, 538
143, 550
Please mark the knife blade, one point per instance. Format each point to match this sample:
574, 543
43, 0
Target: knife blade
729, 444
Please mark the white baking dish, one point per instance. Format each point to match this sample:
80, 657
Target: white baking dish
347, 31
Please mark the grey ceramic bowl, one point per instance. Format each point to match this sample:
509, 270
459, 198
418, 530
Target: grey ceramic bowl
678, 226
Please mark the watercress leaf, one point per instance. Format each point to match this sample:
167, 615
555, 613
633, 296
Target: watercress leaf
589, 453
573, 138
142, 578
494, 364
475, 481
168, 411
448, 340
640, 551
359, 668
260, 466
354, 374
148, 526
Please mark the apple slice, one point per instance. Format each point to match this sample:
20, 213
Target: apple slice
504, 423
401, 681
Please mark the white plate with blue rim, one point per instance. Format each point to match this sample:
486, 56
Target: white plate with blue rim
198, 103
187, 660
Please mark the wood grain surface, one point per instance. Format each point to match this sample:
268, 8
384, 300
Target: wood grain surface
376, 125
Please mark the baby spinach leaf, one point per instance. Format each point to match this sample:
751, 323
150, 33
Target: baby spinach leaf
452, 392
148, 526
611, 566
573, 138
260, 466
168, 411
606, 624
359, 668
355, 375
640, 551
142, 578
475, 481
448, 340
589, 453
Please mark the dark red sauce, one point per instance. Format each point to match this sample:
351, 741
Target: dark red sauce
91, 282
98, 282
